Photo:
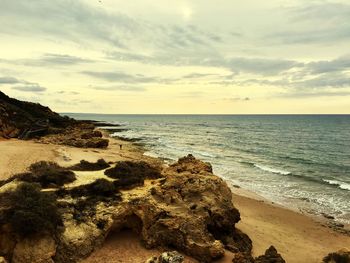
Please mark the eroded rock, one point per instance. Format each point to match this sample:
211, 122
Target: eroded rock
167, 257
188, 209
341, 256
190, 164
271, 256
38, 249
26, 119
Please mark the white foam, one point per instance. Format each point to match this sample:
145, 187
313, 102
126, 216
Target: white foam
271, 170
151, 154
341, 185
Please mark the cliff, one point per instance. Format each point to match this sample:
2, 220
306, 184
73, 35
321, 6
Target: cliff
27, 119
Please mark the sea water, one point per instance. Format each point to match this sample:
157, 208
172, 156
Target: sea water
300, 161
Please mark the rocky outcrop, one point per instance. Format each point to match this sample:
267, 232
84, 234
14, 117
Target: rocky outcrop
341, 256
192, 165
21, 119
190, 210
25, 120
184, 206
81, 135
167, 257
39, 249
271, 256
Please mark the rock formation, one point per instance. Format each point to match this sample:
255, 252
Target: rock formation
183, 206
271, 256
81, 135
21, 119
341, 256
25, 120
167, 257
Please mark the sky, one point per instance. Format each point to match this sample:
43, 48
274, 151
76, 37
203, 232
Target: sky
178, 57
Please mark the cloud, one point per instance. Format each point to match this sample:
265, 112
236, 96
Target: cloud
262, 66
68, 92
316, 22
9, 80
72, 102
313, 94
121, 88
237, 99
49, 59
30, 88
81, 23
121, 77
340, 64
198, 75
59, 59
23, 85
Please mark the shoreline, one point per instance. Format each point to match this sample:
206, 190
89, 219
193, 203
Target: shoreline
323, 218
297, 236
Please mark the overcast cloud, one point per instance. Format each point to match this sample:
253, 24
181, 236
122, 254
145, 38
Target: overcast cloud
212, 50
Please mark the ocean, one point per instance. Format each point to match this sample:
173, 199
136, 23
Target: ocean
299, 161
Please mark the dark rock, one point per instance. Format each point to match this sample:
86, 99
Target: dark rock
341, 256
192, 165
271, 256
91, 134
327, 216
167, 257
27, 119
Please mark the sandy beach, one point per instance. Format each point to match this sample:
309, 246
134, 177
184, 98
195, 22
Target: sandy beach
296, 236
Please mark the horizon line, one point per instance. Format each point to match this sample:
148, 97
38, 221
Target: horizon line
208, 114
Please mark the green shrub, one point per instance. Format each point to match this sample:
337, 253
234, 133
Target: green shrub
88, 166
30, 211
47, 174
132, 173
100, 187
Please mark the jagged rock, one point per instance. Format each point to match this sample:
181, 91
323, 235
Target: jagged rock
152, 260
19, 118
341, 256
188, 209
171, 257
34, 250
270, 256
242, 258
92, 134
76, 136
192, 165
7, 241
167, 257
163, 214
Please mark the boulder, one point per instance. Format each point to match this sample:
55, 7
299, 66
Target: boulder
271, 256
167, 257
39, 249
341, 256
190, 164
91, 134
